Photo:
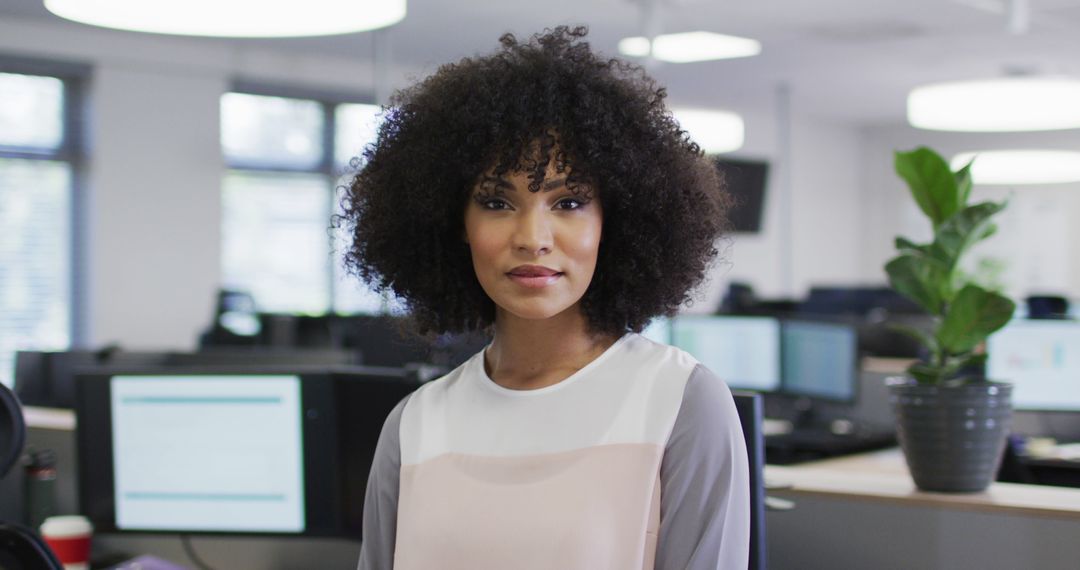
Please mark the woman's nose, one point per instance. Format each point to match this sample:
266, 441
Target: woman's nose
533, 233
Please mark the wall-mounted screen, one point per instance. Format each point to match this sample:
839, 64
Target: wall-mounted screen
745, 181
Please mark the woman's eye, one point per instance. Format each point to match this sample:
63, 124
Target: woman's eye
493, 204
569, 204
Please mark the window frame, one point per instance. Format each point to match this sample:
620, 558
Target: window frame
75, 79
328, 101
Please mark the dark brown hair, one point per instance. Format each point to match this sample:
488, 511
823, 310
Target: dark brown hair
663, 205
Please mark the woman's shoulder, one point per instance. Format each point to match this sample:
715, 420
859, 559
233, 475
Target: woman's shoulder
643, 350
440, 386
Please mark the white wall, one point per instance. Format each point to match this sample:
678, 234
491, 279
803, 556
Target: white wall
152, 243
1037, 235
154, 211
814, 240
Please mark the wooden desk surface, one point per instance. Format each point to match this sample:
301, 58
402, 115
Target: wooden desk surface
883, 476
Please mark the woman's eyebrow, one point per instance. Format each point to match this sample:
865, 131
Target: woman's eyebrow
497, 182
553, 184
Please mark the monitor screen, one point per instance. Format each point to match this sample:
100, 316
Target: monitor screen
743, 351
1041, 359
262, 451
820, 360
208, 453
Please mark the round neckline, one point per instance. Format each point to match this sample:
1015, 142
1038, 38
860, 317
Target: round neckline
486, 380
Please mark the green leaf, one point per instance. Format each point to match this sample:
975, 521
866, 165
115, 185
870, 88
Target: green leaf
964, 229
931, 182
918, 278
974, 314
905, 245
956, 366
924, 373
963, 185
922, 337
970, 359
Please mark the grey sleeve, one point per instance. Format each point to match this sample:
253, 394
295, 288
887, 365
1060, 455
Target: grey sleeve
381, 497
705, 483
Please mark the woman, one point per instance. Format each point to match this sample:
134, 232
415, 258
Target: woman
547, 196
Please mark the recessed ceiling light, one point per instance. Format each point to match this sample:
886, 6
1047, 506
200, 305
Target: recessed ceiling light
997, 105
713, 130
1015, 167
690, 46
233, 18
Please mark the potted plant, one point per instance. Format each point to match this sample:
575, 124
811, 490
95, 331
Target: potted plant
952, 422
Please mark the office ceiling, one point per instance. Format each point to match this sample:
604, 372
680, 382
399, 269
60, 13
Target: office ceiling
845, 60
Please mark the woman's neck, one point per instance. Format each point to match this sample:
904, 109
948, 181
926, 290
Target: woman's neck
530, 354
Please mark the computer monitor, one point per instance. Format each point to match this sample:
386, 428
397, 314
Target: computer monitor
819, 360
47, 379
261, 452
742, 351
1041, 359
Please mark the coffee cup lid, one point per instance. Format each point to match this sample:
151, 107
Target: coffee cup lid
66, 526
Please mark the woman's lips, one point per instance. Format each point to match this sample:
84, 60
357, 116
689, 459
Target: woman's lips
533, 276
534, 281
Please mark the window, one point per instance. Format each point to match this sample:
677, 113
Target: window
287, 159
37, 156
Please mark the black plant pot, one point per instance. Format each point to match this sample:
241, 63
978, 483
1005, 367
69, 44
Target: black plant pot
953, 436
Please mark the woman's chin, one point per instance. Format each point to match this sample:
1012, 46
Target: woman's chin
535, 311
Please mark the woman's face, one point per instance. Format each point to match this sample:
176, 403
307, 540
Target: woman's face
534, 253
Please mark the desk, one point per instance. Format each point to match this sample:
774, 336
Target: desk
863, 511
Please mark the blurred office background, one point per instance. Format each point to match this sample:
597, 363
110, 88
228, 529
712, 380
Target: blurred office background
154, 170
163, 194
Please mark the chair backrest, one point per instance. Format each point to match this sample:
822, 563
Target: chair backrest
12, 430
751, 416
20, 548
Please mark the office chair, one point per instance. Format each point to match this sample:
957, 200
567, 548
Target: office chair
20, 548
751, 414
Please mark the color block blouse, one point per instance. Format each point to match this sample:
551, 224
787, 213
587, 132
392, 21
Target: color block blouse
636, 461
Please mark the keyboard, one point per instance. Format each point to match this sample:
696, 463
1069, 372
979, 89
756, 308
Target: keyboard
819, 443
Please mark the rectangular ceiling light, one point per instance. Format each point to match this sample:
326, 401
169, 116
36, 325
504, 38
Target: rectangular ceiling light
688, 47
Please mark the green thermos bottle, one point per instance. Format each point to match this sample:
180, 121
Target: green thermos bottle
39, 486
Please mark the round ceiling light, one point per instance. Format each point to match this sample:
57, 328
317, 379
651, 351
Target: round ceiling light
233, 18
1017, 167
997, 105
714, 131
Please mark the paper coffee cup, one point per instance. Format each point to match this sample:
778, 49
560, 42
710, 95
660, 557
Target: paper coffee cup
69, 538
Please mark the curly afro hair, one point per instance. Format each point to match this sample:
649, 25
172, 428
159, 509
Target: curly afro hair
603, 120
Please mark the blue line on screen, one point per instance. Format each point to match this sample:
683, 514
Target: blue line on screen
202, 497
201, 400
